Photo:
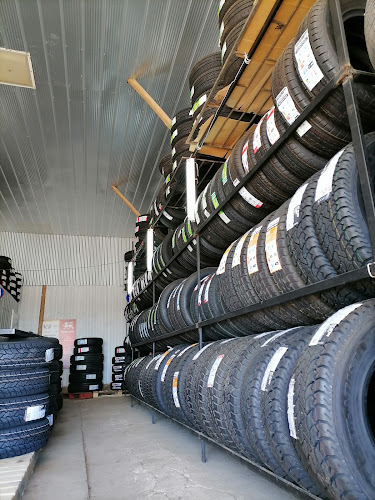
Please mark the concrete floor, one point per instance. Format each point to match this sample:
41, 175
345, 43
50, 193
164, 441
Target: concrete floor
102, 449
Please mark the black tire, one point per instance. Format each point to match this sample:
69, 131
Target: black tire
333, 397
24, 353
87, 358
120, 350
86, 377
83, 387
24, 439
117, 377
86, 367
23, 382
90, 349
119, 360
88, 341
274, 406
117, 386
370, 30
19, 410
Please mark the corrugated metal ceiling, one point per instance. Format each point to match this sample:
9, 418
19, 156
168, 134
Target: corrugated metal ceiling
64, 144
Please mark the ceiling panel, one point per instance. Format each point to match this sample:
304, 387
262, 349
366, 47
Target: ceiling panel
83, 128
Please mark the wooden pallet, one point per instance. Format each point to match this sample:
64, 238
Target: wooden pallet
83, 395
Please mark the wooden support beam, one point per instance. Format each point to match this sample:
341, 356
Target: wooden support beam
125, 200
150, 101
41, 312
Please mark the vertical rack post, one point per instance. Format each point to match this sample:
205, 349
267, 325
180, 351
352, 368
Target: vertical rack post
200, 332
354, 118
153, 345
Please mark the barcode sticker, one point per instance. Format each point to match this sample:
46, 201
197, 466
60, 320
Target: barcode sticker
81, 341
49, 354
272, 255
307, 65
252, 264
174, 390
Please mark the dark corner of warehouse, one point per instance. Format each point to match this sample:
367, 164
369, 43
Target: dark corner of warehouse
187, 249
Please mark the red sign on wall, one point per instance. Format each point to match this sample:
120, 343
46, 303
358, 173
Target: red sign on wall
67, 335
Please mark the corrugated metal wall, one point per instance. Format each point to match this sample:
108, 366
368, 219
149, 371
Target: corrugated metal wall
97, 309
47, 259
8, 311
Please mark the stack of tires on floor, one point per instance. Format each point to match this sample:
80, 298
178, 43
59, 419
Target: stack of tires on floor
86, 365
28, 401
119, 363
299, 402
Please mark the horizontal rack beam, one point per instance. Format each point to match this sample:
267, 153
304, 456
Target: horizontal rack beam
267, 474
319, 286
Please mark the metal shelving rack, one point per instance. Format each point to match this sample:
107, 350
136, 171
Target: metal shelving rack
346, 77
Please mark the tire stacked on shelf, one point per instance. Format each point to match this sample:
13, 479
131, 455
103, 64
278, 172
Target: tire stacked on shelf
140, 231
86, 365
202, 78
232, 18
297, 401
24, 394
11, 281
369, 30
119, 362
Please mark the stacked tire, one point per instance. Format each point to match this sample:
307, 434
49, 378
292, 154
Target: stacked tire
298, 402
119, 363
86, 365
25, 397
55, 386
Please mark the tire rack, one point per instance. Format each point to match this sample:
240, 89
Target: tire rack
345, 77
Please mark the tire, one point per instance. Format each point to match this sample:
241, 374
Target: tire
87, 358
339, 215
274, 406
333, 413
120, 350
88, 341
117, 377
90, 349
24, 353
15, 411
84, 387
119, 359
370, 30
85, 377
85, 367
23, 382
24, 439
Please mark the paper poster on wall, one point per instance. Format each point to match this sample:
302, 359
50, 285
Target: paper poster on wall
65, 331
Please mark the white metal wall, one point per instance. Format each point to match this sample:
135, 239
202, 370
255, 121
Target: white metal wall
49, 259
99, 311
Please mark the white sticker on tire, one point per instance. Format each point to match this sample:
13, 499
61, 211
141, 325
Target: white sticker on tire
81, 341
244, 158
81, 367
307, 65
214, 368
249, 198
93, 387
290, 412
257, 140
221, 268
325, 181
49, 354
50, 419
34, 412
252, 263
287, 108
83, 349
166, 367
238, 250
161, 359
330, 324
271, 367
224, 217
207, 290
273, 134
186, 349
292, 216
91, 376
79, 358
272, 254
174, 390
